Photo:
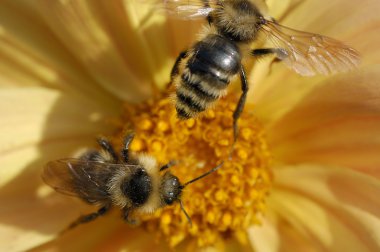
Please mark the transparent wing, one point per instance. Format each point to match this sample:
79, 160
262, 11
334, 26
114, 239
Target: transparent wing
186, 9
309, 54
84, 179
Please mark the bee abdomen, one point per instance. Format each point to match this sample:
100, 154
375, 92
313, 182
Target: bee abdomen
200, 89
194, 95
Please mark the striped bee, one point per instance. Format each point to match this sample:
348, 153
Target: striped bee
202, 73
132, 182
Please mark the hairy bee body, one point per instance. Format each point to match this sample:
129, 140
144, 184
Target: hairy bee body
202, 73
132, 182
205, 74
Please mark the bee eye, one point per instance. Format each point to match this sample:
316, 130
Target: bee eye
175, 182
169, 200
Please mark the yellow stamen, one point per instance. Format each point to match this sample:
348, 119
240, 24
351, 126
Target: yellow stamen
221, 205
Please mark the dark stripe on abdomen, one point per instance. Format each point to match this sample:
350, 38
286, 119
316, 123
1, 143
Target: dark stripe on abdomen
182, 114
197, 89
190, 102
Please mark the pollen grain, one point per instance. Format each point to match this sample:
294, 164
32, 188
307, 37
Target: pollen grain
222, 205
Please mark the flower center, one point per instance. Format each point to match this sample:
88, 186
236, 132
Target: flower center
225, 203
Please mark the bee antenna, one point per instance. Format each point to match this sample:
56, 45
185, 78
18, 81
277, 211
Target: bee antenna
203, 175
184, 211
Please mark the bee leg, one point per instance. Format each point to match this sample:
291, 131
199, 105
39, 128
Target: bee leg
126, 217
106, 145
174, 71
125, 151
168, 165
260, 53
88, 217
240, 106
206, 3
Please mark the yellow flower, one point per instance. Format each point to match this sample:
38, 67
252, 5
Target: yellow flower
67, 67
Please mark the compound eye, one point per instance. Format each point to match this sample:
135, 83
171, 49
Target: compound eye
169, 199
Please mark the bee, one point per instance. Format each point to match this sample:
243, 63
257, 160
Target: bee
129, 181
202, 73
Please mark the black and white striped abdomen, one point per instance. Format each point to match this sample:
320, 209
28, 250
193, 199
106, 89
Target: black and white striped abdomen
206, 74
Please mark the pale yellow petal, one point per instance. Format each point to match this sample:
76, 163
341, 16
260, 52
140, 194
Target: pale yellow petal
338, 123
39, 125
109, 233
73, 43
109, 42
344, 20
266, 236
277, 235
335, 207
35, 118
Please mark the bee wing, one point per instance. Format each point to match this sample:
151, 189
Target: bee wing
186, 9
80, 178
308, 53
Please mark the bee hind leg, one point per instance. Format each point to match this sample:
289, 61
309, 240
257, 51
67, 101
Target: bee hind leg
88, 217
262, 52
240, 106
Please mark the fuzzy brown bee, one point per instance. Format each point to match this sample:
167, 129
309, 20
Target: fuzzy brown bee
131, 182
202, 73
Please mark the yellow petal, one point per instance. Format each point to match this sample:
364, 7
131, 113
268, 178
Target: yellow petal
342, 20
265, 237
108, 233
334, 207
39, 125
80, 42
277, 235
338, 123
34, 119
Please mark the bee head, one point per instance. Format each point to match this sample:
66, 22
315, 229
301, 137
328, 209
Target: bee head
171, 189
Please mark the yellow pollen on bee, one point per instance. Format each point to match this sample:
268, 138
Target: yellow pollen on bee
221, 204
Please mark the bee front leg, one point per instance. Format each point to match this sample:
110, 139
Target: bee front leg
125, 151
168, 165
88, 217
126, 216
106, 145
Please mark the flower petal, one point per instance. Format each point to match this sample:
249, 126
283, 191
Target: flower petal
338, 209
108, 233
81, 43
338, 123
39, 125
265, 237
358, 27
